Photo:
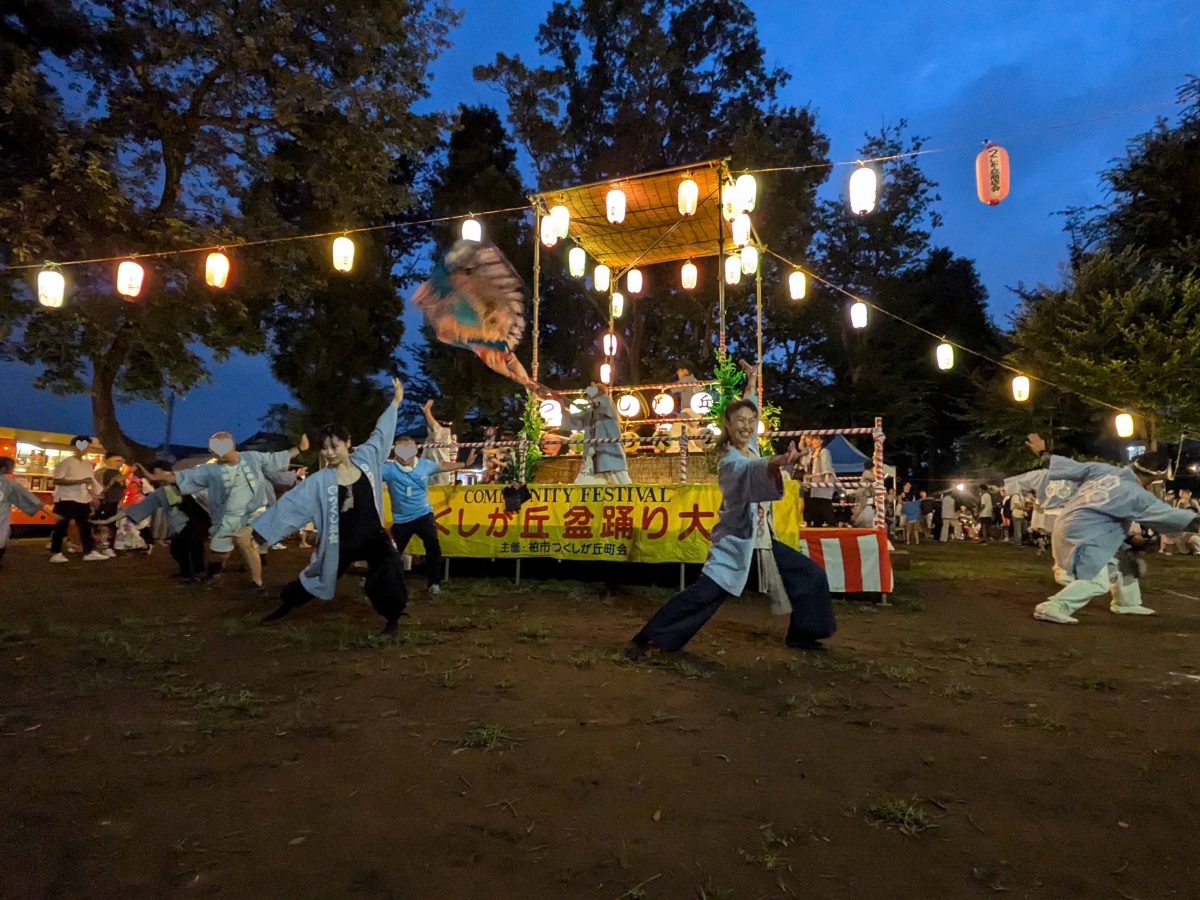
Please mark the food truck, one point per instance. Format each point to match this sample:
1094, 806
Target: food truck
37, 453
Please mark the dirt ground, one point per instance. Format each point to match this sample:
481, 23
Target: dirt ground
156, 741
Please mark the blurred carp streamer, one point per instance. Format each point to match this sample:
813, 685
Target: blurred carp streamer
474, 299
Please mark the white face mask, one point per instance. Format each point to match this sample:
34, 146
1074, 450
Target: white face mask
591, 392
406, 453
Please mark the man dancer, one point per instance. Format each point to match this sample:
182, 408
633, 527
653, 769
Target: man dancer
13, 493
74, 484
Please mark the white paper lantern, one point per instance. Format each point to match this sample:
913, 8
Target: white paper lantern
617, 305
577, 261
549, 232
730, 202
472, 230
1020, 388
701, 403
689, 197
663, 405
797, 285
762, 427
552, 413
687, 275
864, 188
741, 229
749, 260
561, 216
578, 405
945, 356
343, 254
51, 288
610, 344
601, 278
129, 278
628, 405
216, 269
733, 269
1124, 425
605, 373
614, 205
858, 315
747, 189
633, 281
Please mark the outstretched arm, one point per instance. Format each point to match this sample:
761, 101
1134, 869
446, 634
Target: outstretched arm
751, 391
454, 466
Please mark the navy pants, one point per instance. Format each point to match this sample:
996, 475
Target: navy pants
678, 620
426, 529
384, 583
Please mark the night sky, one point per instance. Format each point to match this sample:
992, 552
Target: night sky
1062, 86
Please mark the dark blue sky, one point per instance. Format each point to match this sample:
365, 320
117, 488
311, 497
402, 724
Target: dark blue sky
958, 72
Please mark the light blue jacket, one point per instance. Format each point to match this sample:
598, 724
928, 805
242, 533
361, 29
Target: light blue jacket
599, 420
1052, 495
1095, 520
209, 478
153, 502
744, 482
315, 500
13, 493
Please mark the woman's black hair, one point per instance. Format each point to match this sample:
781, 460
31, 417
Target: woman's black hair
7, 463
81, 437
331, 431
723, 441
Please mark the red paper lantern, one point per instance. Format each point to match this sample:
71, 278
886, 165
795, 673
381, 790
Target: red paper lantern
991, 174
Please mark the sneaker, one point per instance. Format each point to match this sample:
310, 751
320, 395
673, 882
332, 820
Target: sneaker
278, 547
1044, 613
109, 552
435, 590
1131, 610
275, 615
96, 556
59, 558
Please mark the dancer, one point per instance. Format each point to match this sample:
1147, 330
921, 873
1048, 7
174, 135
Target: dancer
1095, 525
188, 522
442, 435
603, 463
74, 484
238, 487
344, 499
407, 481
745, 481
13, 493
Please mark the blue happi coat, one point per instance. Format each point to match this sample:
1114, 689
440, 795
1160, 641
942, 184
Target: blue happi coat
744, 482
1096, 519
1052, 495
599, 420
258, 467
13, 493
153, 502
315, 500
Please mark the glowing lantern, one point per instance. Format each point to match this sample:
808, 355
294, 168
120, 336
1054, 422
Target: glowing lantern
343, 254
1020, 388
633, 281
1124, 425
601, 278
472, 230
561, 217
797, 285
945, 356
549, 232
733, 269
551, 411
51, 287
991, 174
606, 373
689, 197
664, 404
129, 278
858, 314
617, 305
762, 427
864, 187
730, 206
747, 189
741, 229
701, 403
614, 204
610, 344
216, 269
628, 405
960, 487
687, 275
577, 261
578, 405
749, 260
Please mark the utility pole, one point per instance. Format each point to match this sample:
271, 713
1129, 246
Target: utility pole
166, 446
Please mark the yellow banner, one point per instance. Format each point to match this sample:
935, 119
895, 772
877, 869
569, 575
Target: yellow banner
653, 523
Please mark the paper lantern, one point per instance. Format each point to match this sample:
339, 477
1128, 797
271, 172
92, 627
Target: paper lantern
687, 275
762, 427
945, 356
733, 269
960, 487
606, 373
601, 278
614, 205
747, 189
578, 405
1124, 425
552, 413
741, 229
549, 232
689, 197
216, 269
991, 174
610, 344
864, 188
628, 405
858, 315
633, 281
343, 254
749, 260
129, 278
1020, 388
472, 230
797, 285
730, 206
701, 403
577, 261
51, 288
663, 405
561, 217
616, 306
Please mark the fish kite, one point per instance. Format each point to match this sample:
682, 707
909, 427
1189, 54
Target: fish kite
474, 300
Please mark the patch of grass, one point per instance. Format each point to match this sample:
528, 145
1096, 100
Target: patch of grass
450, 679
292, 637
908, 604
535, 633
1102, 686
488, 738
906, 816
900, 674
243, 702
59, 630
15, 634
957, 691
707, 892
771, 852
584, 659
240, 626
505, 685
419, 637
1038, 721
686, 668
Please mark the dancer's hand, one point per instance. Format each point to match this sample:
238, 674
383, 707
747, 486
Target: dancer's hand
747, 368
1035, 443
397, 392
427, 406
471, 457
786, 460
304, 442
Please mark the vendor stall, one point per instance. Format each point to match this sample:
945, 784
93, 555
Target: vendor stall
36, 454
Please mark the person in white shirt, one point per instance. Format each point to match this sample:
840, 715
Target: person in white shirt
438, 434
74, 487
987, 514
1017, 505
950, 523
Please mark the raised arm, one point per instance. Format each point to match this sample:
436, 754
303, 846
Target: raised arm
430, 421
751, 391
453, 466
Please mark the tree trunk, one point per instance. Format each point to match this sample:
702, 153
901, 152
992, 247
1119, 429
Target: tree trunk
104, 408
